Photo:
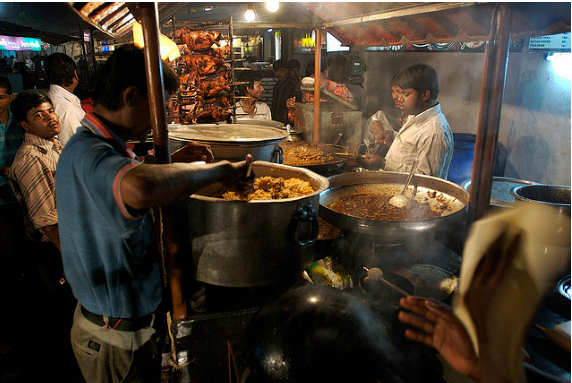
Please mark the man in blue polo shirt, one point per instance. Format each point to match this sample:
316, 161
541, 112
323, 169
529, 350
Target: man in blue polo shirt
104, 196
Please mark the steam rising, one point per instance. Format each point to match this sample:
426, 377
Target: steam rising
317, 333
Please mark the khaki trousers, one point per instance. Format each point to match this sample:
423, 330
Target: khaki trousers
108, 356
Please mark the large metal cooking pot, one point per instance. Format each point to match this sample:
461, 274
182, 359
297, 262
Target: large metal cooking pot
554, 248
232, 141
255, 243
501, 196
557, 196
382, 182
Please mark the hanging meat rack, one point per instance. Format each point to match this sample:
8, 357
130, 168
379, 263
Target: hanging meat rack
206, 72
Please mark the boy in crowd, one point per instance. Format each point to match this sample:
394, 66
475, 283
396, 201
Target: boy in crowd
294, 71
32, 177
250, 106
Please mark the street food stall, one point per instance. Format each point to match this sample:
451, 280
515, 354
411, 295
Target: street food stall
222, 271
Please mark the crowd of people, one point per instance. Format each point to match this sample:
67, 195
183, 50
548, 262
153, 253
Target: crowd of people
29, 71
420, 131
287, 90
90, 224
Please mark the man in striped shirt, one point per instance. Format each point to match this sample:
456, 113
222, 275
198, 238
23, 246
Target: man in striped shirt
34, 167
32, 177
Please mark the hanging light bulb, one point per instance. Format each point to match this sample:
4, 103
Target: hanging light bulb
249, 15
272, 6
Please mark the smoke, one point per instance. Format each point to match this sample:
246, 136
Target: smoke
318, 334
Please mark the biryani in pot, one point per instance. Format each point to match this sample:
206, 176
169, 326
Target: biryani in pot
269, 188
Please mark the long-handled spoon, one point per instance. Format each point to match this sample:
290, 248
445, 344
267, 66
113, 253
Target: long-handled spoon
401, 200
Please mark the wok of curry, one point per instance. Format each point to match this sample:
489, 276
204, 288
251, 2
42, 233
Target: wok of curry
359, 202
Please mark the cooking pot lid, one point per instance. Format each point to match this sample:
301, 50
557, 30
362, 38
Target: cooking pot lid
226, 133
500, 191
259, 122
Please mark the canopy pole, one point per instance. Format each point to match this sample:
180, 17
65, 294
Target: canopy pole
156, 94
317, 80
492, 93
155, 91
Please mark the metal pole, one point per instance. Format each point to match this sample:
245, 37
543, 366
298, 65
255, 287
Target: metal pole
232, 76
156, 92
317, 79
492, 92
156, 97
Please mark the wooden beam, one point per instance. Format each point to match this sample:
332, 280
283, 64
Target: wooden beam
492, 92
410, 11
317, 80
240, 25
156, 94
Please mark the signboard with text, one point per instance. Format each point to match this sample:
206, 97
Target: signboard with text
15, 43
559, 42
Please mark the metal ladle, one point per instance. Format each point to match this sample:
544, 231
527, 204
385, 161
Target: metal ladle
401, 200
383, 279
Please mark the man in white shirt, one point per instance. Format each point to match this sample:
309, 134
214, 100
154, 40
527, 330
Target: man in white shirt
61, 71
425, 134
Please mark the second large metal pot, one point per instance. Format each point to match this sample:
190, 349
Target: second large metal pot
232, 141
346, 184
255, 243
557, 196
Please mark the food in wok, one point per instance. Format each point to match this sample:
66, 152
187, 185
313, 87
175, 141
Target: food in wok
376, 206
312, 154
269, 188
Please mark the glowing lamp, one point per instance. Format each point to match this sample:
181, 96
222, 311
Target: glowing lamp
272, 6
167, 47
561, 64
249, 15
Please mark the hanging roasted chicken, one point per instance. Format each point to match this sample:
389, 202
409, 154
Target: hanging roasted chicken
198, 40
205, 93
